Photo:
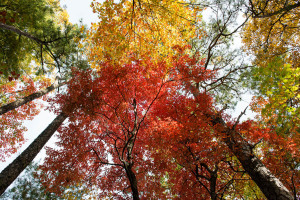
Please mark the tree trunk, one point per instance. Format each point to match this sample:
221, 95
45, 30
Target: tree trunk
12, 171
13, 105
270, 186
133, 182
213, 183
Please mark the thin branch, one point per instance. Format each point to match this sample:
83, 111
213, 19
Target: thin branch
238, 119
285, 9
102, 162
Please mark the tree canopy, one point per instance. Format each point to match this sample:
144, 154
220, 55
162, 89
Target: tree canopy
148, 117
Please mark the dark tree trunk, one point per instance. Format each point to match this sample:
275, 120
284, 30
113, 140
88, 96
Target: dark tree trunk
133, 182
12, 171
13, 105
213, 184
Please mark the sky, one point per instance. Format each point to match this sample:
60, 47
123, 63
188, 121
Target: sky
80, 9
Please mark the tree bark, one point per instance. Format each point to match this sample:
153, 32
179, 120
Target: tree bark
12, 171
213, 183
13, 105
133, 182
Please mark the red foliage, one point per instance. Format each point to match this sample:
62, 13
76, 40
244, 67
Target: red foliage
150, 107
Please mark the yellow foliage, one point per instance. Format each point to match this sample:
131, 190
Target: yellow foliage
139, 28
272, 36
275, 35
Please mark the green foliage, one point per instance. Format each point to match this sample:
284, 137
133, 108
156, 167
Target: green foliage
279, 84
46, 21
28, 187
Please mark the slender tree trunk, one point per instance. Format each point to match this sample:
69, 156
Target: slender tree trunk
13, 105
133, 182
12, 171
270, 185
213, 183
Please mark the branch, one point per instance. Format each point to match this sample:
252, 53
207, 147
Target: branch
225, 187
206, 167
239, 117
104, 163
13, 105
284, 9
18, 31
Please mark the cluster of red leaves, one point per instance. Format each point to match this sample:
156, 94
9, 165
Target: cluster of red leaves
186, 137
103, 108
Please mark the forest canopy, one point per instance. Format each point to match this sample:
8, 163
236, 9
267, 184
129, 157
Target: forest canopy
143, 99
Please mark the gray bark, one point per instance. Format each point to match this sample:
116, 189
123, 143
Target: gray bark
13, 105
12, 171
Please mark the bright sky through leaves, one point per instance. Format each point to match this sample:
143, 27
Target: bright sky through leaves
146, 106
77, 9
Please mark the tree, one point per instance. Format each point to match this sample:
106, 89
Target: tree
140, 28
31, 46
12, 171
272, 37
35, 31
141, 93
112, 118
104, 121
28, 187
13, 105
241, 145
266, 9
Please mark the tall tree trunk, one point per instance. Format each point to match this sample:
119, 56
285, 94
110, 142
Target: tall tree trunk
13, 105
133, 182
12, 171
270, 185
